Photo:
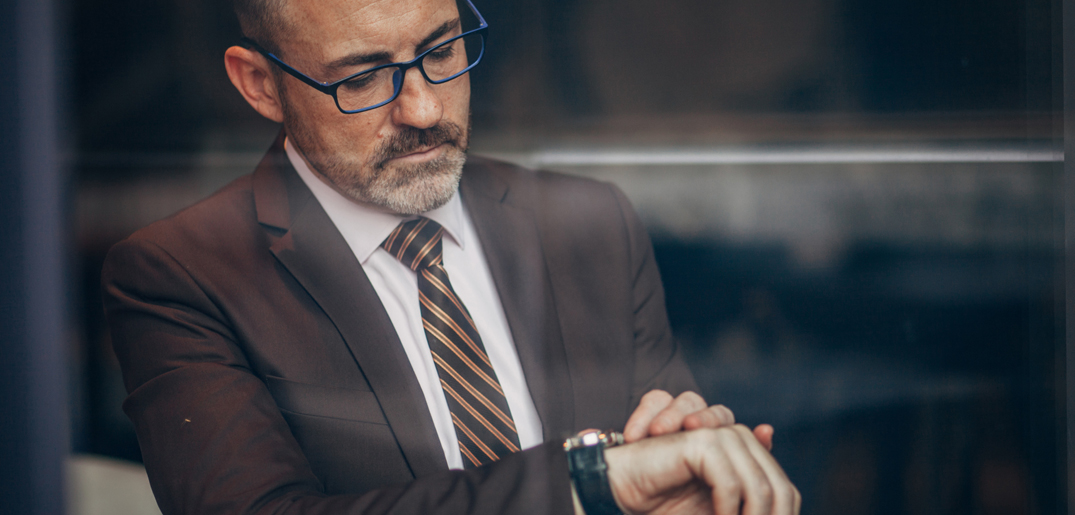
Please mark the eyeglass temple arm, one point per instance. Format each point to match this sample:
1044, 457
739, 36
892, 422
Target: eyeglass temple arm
253, 45
473, 9
327, 87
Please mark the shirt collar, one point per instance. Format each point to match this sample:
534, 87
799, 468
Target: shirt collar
365, 226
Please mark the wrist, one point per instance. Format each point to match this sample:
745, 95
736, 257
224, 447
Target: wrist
590, 487
575, 501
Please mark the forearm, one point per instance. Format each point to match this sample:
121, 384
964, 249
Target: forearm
233, 454
575, 502
521, 483
216, 441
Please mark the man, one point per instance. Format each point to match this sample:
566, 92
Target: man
341, 332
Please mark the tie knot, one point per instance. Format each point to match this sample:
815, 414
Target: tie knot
417, 243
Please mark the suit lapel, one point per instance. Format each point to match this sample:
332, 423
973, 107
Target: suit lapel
315, 253
513, 249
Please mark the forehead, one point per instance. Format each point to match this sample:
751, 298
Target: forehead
328, 29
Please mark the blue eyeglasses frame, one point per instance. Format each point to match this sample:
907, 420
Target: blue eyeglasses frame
329, 88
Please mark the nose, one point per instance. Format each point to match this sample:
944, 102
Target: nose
417, 105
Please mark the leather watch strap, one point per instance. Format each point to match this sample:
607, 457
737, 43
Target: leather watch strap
589, 472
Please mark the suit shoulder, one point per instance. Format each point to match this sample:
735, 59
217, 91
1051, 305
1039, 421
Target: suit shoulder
222, 220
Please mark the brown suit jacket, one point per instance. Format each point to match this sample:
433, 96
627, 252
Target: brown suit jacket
265, 376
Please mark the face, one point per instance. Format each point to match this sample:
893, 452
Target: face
406, 156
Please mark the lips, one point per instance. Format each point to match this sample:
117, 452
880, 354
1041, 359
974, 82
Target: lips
411, 141
420, 151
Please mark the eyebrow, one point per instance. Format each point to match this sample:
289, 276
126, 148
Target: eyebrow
437, 34
359, 59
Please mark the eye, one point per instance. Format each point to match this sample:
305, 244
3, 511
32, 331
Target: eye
442, 53
361, 82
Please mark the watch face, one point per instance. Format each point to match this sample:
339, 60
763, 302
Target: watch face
589, 439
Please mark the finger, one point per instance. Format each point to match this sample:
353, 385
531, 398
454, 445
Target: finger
757, 491
718, 471
764, 434
670, 419
728, 493
785, 497
711, 417
652, 403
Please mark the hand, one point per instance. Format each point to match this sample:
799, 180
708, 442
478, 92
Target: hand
659, 414
706, 471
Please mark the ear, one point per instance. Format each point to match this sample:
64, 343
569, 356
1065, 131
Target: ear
250, 72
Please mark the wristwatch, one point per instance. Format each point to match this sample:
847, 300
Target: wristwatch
586, 460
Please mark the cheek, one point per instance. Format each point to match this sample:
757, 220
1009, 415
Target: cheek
360, 133
457, 99
311, 108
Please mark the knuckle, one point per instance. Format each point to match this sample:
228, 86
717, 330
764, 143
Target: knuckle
731, 488
657, 396
682, 404
716, 434
785, 497
720, 434
717, 415
724, 413
764, 491
660, 422
704, 439
736, 436
708, 418
691, 399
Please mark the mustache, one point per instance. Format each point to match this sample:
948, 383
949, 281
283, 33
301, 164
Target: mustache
410, 140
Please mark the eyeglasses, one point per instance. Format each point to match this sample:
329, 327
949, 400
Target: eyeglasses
377, 86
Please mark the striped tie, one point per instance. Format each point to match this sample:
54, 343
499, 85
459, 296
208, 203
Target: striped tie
480, 413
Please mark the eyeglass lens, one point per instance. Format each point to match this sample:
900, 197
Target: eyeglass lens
440, 64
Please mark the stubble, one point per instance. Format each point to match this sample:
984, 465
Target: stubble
402, 188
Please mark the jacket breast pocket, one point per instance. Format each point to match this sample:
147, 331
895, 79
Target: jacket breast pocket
326, 401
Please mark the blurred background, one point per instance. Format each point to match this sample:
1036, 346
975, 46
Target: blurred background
857, 208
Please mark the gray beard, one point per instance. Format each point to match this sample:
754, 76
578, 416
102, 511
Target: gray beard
413, 189
404, 189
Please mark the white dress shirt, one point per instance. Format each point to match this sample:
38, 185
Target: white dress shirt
364, 227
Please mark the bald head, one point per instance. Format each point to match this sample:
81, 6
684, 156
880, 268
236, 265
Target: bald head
262, 20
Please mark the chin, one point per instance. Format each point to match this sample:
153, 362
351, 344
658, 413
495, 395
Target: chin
415, 189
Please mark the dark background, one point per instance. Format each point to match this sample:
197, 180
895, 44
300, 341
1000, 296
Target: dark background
900, 323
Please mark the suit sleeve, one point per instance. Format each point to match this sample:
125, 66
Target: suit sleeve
658, 359
213, 439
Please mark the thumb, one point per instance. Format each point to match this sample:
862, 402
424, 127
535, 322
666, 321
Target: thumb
764, 434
